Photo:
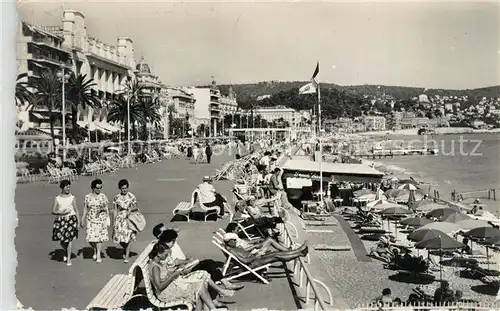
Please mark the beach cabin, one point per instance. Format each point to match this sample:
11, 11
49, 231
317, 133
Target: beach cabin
301, 179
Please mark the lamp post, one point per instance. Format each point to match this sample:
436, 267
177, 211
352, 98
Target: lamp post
64, 77
128, 122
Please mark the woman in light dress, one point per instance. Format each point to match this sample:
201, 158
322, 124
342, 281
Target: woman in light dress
65, 228
172, 282
96, 216
124, 203
196, 153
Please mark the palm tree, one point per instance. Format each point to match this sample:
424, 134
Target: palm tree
48, 94
23, 94
149, 112
80, 95
171, 112
118, 112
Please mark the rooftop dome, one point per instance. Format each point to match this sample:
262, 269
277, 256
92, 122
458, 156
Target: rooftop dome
142, 66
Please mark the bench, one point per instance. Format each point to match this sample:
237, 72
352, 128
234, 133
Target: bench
123, 287
183, 209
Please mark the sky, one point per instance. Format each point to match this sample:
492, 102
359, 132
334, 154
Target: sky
453, 45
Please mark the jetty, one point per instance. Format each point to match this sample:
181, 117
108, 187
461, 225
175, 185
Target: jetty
391, 153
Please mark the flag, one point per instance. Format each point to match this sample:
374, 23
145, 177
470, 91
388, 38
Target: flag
310, 88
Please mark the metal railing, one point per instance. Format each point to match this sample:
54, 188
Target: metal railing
469, 306
306, 281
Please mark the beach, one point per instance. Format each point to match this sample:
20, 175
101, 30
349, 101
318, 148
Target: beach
469, 165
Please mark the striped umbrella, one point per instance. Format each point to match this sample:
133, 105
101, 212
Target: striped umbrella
411, 187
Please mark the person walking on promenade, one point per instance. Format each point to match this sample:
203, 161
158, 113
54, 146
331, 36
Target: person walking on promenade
124, 203
96, 217
196, 153
208, 152
65, 228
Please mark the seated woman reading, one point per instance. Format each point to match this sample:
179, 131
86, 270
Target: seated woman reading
254, 260
169, 238
173, 282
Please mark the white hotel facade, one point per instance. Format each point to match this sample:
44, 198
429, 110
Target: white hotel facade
71, 48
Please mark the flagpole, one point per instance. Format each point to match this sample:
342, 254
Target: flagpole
320, 143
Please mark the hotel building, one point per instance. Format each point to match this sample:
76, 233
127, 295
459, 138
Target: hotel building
71, 48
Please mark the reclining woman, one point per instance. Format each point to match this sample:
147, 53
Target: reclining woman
254, 260
257, 246
383, 251
264, 222
173, 282
169, 237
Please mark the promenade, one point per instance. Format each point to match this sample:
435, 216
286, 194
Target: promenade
45, 283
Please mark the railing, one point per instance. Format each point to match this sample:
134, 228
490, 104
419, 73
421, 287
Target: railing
304, 276
469, 306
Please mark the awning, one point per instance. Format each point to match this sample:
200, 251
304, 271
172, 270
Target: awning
108, 127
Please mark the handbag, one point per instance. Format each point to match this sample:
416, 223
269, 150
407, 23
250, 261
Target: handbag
136, 221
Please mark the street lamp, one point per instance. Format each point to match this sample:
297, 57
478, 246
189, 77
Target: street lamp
64, 79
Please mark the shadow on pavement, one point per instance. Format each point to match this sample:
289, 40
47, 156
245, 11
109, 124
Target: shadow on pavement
406, 277
58, 255
114, 252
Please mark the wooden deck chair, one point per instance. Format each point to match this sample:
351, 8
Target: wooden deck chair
231, 258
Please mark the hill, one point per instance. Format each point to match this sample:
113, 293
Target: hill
246, 92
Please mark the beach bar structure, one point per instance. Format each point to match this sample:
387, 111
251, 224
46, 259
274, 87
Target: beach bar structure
332, 172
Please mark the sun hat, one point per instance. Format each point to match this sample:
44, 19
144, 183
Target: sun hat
230, 236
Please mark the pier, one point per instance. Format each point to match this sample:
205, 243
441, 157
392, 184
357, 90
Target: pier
396, 152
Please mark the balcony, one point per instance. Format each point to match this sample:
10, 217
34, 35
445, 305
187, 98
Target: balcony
47, 42
50, 60
215, 114
214, 107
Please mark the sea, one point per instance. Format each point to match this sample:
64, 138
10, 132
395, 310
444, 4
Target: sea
466, 162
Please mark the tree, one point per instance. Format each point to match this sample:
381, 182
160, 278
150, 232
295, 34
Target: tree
118, 112
48, 93
148, 113
23, 94
80, 95
171, 112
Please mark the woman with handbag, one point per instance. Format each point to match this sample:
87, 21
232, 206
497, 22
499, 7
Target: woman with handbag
124, 204
96, 216
65, 228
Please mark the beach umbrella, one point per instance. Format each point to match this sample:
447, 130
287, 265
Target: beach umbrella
392, 193
455, 217
482, 232
408, 186
493, 241
430, 207
441, 213
469, 224
422, 202
424, 234
441, 242
446, 227
362, 192
396, 211
405, 196
409, 180
380, 205
416, 221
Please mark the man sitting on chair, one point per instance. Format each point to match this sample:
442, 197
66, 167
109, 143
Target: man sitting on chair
257, 260
209, 197
265, 222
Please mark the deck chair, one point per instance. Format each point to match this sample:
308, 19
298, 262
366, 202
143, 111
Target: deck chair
232, 258
208, 211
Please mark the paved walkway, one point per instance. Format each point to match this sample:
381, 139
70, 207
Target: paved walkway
44, 283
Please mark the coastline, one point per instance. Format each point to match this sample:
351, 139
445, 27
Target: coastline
438, 131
